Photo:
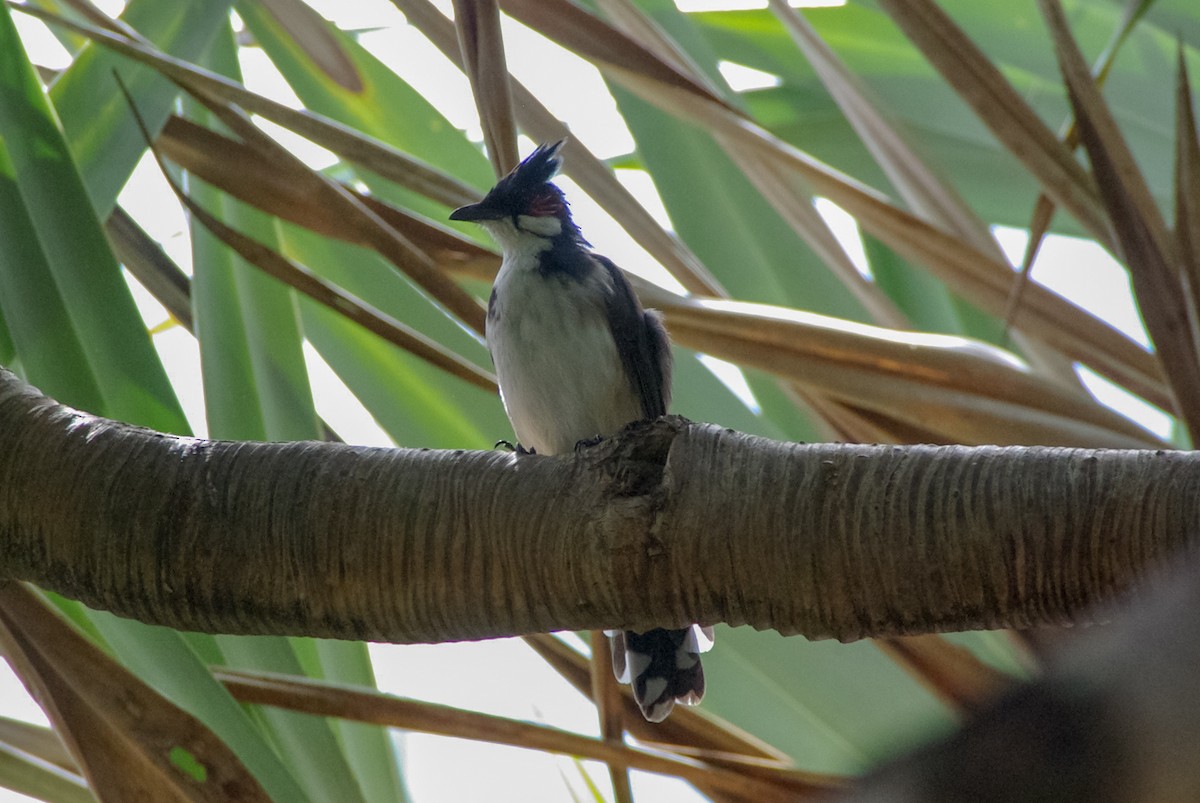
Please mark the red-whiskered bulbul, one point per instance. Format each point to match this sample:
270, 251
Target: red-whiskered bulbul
577, 357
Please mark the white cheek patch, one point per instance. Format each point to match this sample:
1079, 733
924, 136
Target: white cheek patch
543, 226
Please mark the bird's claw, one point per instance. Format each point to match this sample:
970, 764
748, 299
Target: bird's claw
509, 447
587, 443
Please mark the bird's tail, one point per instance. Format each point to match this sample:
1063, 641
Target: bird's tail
663, 666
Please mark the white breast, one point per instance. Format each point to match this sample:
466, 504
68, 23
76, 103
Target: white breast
561, 378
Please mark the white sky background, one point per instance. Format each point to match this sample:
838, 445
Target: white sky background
505, 677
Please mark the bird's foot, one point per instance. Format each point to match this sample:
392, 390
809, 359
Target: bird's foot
588, 443
518, 448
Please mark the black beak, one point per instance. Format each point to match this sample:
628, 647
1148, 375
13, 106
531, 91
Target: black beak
476, 212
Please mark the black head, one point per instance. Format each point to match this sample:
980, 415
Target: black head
526, 191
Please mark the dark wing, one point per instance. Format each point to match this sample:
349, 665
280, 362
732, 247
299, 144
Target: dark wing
642, 343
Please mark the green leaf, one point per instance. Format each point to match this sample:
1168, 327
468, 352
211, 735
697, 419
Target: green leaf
221, 331
386, 107
699, 395
132, 384
8, 351
925, 300
757, 256
94, 114
255, 380
306, 743
188, 764
41, 332
369, 749
31, 776
164, 659
406, 396
1176, 18
832, 707
72, 42
367, 276
946, 132
417, 404
256, 387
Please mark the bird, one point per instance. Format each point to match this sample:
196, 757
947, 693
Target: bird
577, 359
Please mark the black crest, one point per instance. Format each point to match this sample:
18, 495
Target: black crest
527, 190
535, 169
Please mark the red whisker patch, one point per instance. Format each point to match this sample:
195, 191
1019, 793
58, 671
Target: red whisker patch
547, 205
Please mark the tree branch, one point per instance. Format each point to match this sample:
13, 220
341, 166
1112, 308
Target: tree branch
668, 523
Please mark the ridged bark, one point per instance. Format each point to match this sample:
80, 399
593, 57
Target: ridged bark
668, 523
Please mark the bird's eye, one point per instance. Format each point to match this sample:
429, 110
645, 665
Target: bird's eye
546, 204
